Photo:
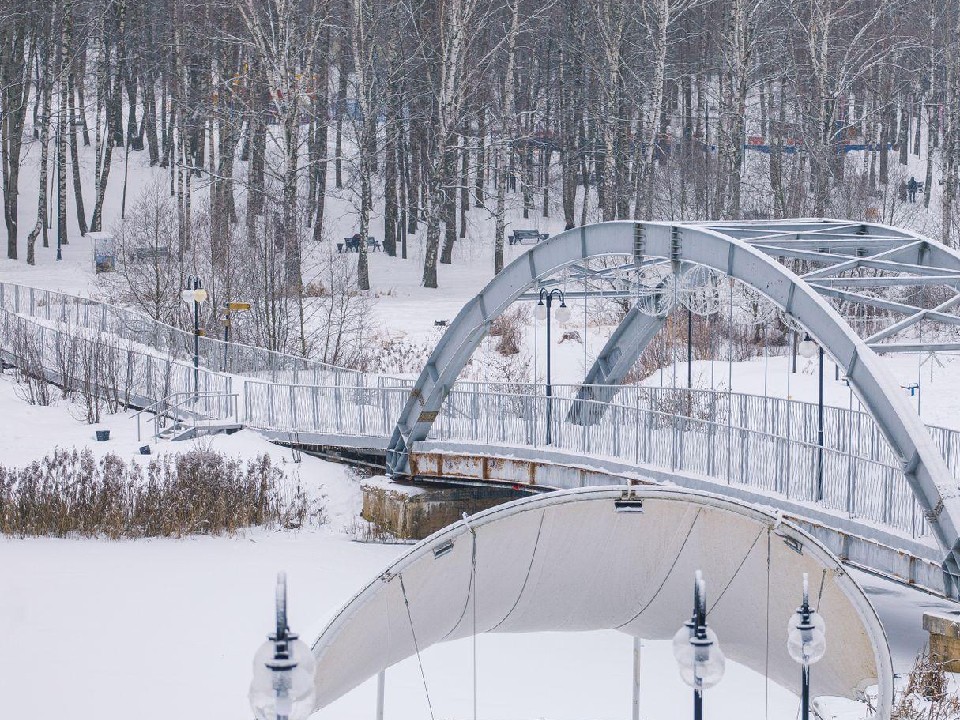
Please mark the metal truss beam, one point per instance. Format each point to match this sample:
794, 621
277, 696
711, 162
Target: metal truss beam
616, 358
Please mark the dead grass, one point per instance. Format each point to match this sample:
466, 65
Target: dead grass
70, 493
926, 695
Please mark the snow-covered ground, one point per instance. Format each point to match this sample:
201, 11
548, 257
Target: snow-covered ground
166, 628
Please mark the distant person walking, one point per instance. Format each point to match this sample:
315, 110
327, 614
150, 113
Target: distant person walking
912, 186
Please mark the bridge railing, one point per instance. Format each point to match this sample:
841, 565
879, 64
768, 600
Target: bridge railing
331, 410
851, 483
744, 439
71, 358
215, 354
856, 485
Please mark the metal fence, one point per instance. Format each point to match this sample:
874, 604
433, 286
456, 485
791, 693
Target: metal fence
134, 377
852, 482
215, 354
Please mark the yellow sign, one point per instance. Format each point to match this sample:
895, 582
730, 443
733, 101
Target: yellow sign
236, 306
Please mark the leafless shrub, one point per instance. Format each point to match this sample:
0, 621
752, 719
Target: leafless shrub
100, 379
509, 327
369, 532
66, 350
27, 351
198, 492
396, 355
927, 694
341, 314
149, 269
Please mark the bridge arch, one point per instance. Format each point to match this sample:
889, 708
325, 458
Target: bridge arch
725, 250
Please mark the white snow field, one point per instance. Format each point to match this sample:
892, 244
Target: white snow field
166, 628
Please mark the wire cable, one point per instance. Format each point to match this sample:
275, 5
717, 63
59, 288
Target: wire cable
470, 586
665, 577
416, 646
523, 587
737, 571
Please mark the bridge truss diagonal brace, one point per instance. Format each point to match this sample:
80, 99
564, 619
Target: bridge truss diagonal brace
618, 355
925, 470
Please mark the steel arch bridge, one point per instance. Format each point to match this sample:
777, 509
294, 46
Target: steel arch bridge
842, 263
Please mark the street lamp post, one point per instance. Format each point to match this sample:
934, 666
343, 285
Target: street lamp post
697, 650
807, 644
283, 670
542, 312
194, 293
808, 348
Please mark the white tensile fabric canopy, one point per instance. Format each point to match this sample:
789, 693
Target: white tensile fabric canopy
570, 561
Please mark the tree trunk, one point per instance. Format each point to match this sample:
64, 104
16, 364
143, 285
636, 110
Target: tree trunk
75, 162
506, 121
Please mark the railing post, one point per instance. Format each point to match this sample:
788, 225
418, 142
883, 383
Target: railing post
293, 407
338, 404
33, 303
616, 431
270, 416
363, 422
852, 488
382, 395
637, 437
887, 495
476, 410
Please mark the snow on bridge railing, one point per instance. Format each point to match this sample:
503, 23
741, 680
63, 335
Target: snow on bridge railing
861, 473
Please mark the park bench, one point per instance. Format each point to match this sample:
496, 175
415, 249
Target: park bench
353, 245
527, 237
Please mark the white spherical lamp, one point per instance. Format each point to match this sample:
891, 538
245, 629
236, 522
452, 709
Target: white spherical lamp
807, 347
701, 661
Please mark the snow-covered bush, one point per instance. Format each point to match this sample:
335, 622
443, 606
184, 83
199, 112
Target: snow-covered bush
508, 328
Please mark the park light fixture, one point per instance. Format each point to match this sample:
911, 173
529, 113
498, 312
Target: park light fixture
540, 309
542, 312
196, 294
697, 650
806, 643
807, 347
283, 668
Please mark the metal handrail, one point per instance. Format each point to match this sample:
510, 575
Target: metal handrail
165, 409
270, 361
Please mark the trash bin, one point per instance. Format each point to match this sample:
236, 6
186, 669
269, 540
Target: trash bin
144, 449
103, 435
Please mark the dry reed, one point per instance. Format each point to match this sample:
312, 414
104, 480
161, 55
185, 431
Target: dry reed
70, 493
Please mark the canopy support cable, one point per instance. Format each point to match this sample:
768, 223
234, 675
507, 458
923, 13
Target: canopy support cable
416, 647
665, 577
